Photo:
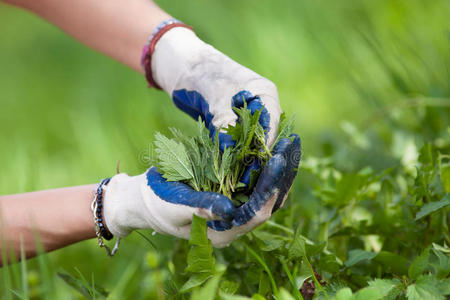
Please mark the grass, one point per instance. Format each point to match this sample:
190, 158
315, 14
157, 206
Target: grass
364, 78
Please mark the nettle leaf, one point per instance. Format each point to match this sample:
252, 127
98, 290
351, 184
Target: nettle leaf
173, 160
225, 165
433, 207
229, 287
200, 257
426, 287
419, 264
285, 128
297, 248
199, 162
442, 267
445, 287
385, 286
207, 292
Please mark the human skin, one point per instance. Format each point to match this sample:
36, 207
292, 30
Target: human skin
116, 28
57, 217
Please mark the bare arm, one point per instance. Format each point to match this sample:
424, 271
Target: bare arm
117, 28
59, 217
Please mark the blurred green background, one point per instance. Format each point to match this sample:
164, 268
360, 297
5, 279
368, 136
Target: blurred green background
68, 114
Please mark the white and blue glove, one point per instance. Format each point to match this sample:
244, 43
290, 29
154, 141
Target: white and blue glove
148, 201
205, 83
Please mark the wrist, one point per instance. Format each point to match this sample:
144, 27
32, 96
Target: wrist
124, 208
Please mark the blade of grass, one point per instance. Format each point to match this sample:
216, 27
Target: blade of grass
266, 268
23, 270
295, 290
6, 275
147, 239
44, 266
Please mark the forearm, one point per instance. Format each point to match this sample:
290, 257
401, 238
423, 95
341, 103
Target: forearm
116, 28
57, 217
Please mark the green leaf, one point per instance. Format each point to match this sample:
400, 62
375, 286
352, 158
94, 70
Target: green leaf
368, 293
285, 128
87, 289
173, 159
419, 264
442, 267
200, 258
358, 255
392, 263
344, 294
284, 295
208, 292
445, 287
268, 241
297, 248
384, 286
225, 296
445, 177
195, 280
229, 287
426, 287
432, 207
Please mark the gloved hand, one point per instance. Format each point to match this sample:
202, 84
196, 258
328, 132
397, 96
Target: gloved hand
148, 201
204, 82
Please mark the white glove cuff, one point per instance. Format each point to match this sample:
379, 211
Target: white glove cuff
175, 53
122, 204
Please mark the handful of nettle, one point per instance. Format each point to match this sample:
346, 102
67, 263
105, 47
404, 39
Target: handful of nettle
232, 171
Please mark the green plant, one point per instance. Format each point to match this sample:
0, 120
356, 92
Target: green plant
199, 162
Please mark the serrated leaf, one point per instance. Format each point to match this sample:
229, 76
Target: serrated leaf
445, 287
173, 160
426, 287
297, 247
419, 264
229, 287
443, 266
207, 292
225, 165
432, 207
384, 286
285, 128
200, 258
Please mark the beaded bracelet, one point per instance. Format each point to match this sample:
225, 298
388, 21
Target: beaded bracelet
100, 229
149, 47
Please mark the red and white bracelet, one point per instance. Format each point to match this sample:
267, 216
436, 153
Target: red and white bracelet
149, 47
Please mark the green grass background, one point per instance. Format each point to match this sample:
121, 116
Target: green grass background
68, 114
